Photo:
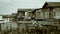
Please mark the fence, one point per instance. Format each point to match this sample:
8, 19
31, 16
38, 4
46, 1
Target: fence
28, 28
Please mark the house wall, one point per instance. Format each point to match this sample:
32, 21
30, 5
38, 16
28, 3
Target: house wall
39, 14
42, 14
46, 13
57, 13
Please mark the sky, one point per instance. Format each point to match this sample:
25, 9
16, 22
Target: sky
11, 6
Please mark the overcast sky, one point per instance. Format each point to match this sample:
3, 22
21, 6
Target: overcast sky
11, 6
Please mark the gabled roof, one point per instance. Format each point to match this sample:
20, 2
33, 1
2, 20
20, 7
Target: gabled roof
51, 4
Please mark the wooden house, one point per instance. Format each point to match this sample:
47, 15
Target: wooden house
26, 13
53, 9
50, 10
